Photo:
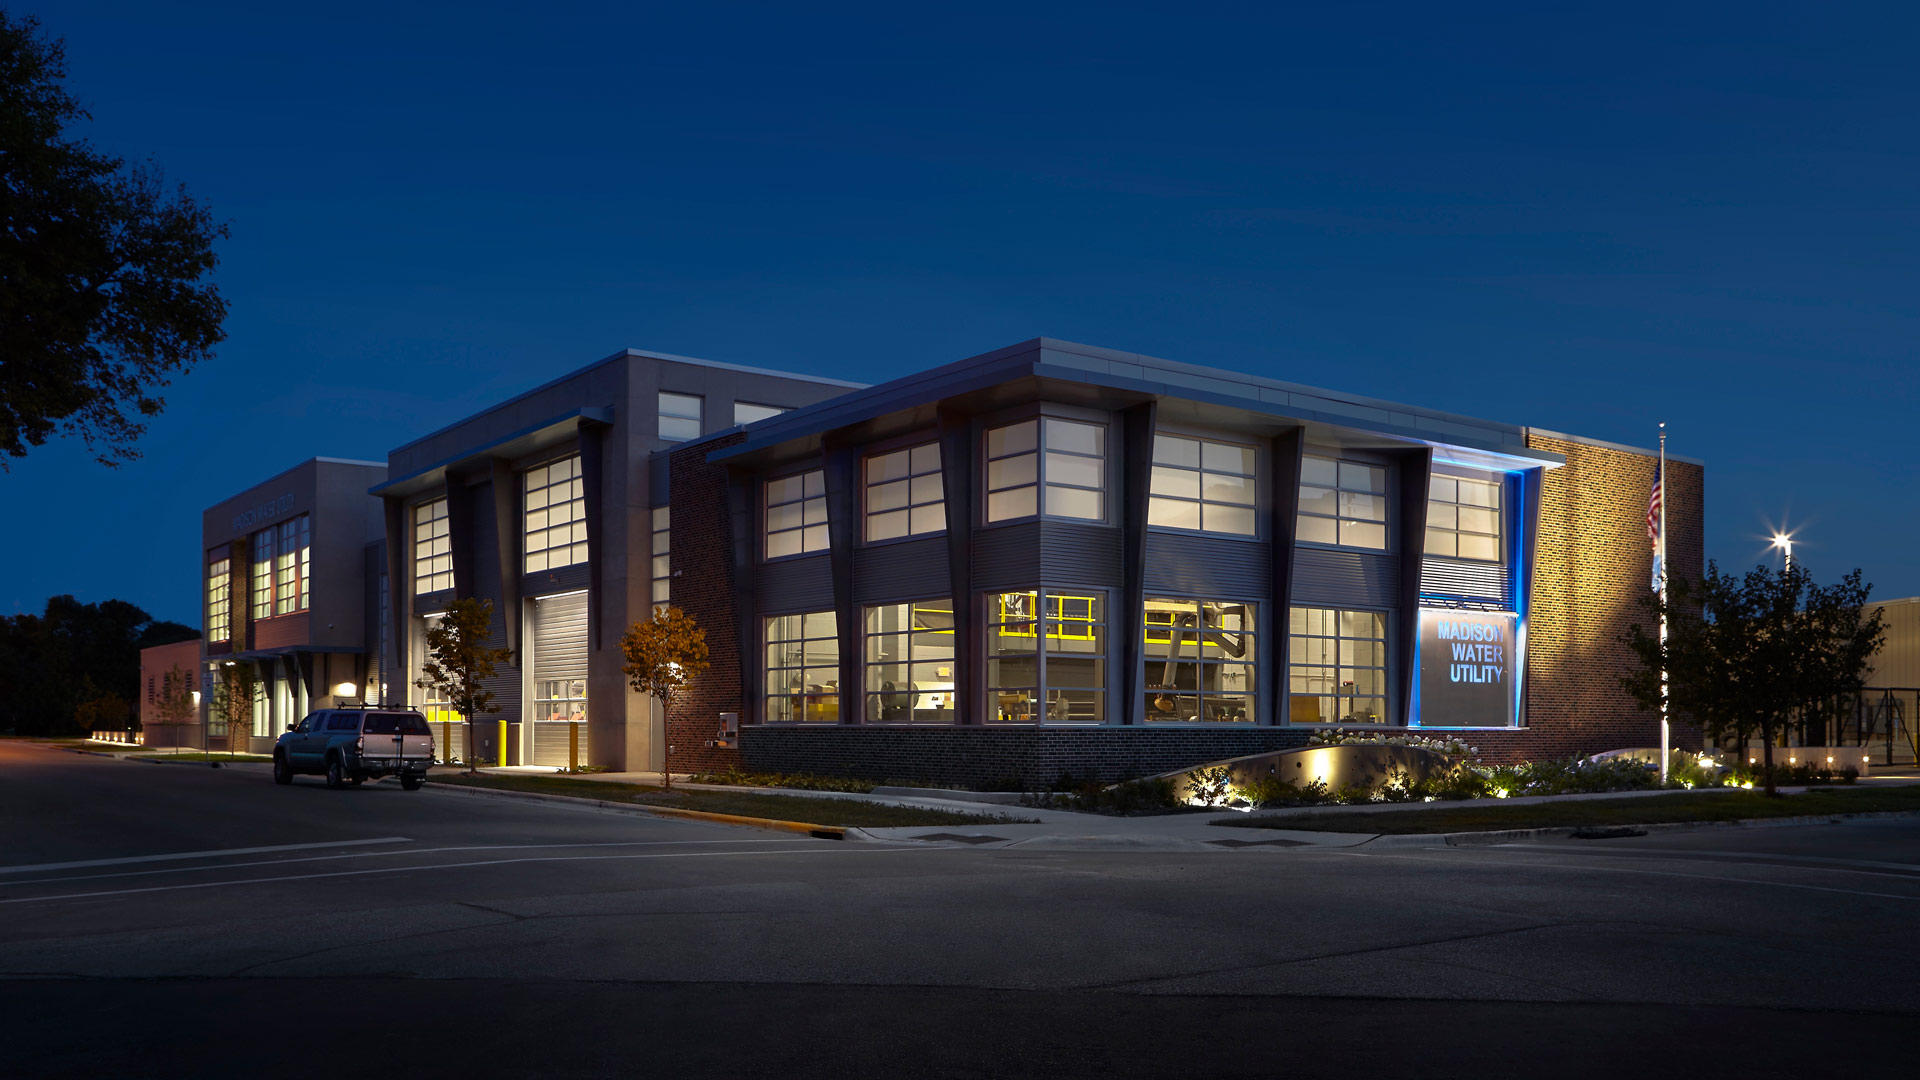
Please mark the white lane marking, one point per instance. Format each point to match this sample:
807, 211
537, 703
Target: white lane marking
1611, 870
399, 851
221, 853
457, 866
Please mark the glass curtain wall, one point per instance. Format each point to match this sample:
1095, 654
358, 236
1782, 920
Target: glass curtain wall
1046, 657
1200, 661
910, 677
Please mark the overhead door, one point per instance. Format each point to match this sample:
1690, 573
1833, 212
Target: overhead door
558, 732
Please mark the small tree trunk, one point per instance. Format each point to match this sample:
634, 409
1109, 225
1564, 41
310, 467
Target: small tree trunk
1766, 756
666, 741
472, 770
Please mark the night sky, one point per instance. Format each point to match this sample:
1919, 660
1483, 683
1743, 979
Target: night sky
1587, 222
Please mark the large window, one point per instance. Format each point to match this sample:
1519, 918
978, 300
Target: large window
797, 514
1343, 502
679, 416
1203, 485
292, 566
1046, 658
1047, 466
905, 493
803, 668
219, 596
1200, 662
556, 516
261, 578
745, 412
662, 554
432, 548
1463, 517
1338, 662
910, 677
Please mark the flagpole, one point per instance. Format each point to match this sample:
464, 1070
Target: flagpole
1661, 556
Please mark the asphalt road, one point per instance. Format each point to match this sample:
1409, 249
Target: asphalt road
175, 920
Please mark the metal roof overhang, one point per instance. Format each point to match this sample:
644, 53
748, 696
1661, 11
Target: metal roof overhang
517, 444
1024, 376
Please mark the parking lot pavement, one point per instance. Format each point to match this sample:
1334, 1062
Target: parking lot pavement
571, 942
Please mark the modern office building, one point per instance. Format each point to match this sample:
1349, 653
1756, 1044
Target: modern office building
1049, 558
291, 589
552, 507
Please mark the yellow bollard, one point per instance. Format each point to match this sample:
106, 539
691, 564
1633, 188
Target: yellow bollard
573, 747
501, 754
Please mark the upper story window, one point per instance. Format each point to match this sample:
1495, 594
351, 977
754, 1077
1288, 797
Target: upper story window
679, 416
293, 568
797, 514
432, 548
662, 554
1201, 484
905, 493
1343, 502
556, 532
219, 596
1463, 517
746, 412
1047, 466
261, 578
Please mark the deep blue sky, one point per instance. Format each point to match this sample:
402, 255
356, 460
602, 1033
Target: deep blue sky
1582, 220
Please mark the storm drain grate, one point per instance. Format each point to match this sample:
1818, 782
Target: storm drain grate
1258, 843
962, 838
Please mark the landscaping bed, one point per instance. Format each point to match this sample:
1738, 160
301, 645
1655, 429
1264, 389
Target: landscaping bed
1489, 816
814, 811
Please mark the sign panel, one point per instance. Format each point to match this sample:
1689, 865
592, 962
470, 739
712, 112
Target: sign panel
1469, 667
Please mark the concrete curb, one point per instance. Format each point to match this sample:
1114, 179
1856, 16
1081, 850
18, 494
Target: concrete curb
823, 832
1508, 836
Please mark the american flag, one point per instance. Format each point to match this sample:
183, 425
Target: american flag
1653, 527
1653, 511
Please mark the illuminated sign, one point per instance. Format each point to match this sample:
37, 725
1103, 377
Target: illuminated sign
266, 511
1469, 668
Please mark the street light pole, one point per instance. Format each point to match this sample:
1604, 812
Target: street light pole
1784, 541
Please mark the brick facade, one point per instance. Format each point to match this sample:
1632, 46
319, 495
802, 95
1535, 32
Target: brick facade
1593, 568
990, 757
703, 587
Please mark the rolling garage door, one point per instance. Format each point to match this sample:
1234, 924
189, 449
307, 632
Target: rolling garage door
559, 680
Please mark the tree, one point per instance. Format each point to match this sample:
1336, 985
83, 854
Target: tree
51, 662
459, 661
103, 712
174, 707
233, 695
663, 656
1743, 654
103, 297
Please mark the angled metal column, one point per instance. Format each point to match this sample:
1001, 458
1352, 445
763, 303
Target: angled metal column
1283, 520
959, 469
1416, 470
1136, 472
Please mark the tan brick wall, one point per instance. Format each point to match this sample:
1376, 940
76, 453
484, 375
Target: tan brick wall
1592, 570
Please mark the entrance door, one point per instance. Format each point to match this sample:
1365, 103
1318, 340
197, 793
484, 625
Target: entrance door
559, 680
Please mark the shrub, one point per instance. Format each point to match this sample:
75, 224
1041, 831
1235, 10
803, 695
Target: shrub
733, 776
1156, 796
1209, 787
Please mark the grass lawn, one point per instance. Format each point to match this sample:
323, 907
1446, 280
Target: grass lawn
822, 811
1486, 815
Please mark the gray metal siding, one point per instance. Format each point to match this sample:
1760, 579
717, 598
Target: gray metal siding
505, 683
1489, 582
907, 570
1046, 551
1084, 554
1007, 555
1328, 578
795, 585
1208, 566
